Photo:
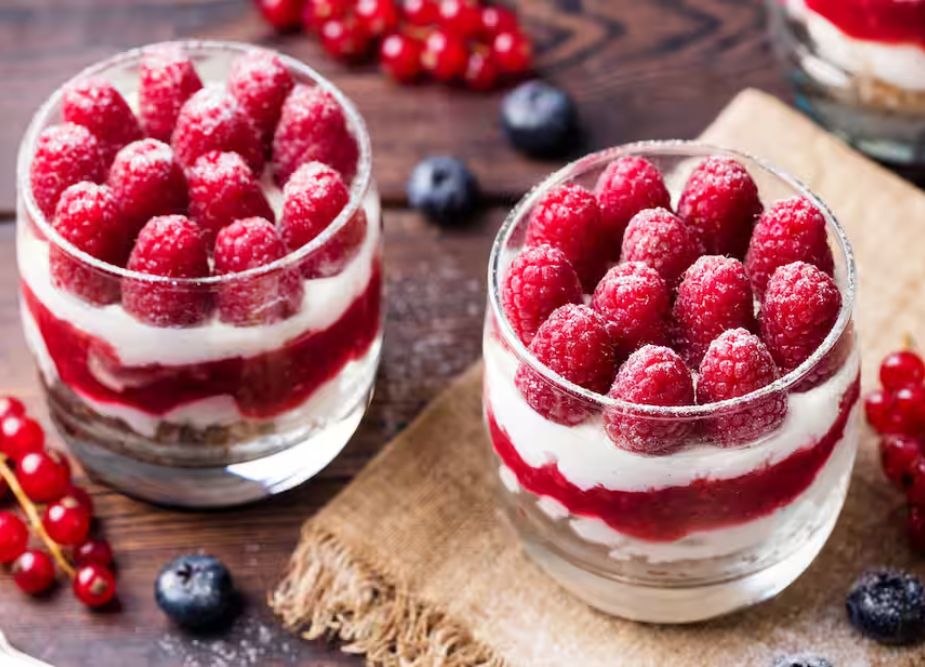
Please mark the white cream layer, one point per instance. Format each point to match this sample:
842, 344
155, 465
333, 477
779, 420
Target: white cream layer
588, 458
901, 65
139, 344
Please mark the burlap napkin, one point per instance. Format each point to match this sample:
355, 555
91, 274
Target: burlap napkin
412, 565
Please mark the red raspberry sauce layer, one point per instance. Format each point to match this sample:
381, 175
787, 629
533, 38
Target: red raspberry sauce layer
891, 21
262, 386
670, 513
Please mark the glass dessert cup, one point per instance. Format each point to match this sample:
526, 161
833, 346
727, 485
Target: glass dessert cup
213, 414
707, 528
859, 69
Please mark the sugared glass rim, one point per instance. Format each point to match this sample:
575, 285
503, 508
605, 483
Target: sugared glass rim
671, 148
193, 48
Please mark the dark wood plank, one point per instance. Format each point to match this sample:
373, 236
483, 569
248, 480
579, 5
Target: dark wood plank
638, 70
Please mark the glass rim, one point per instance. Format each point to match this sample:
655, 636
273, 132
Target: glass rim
358, 188
678, 148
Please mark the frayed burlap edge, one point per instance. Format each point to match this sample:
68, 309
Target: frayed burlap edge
328, 592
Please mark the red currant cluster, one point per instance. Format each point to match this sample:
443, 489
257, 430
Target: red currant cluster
447, 40
59, 513
897, 412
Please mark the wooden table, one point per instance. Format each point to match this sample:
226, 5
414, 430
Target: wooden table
636, 69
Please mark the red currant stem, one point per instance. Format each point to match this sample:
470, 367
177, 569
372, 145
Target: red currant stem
909, 342
32, 513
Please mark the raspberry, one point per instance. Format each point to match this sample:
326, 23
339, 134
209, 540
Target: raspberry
247, 244
313, 197
171, 246
738, 363
792, 230
167, 79
714, 295
99, 107
800, 307
221, 190
652, 375
65, 154
635, 302
568, 218
574, 343
720, 202
260, 83
147, 181
312, 127
88, 216
539, 280
660, 239
627, 186
899, 455
212, 120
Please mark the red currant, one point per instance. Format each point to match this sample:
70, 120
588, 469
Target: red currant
495, 19
878, 406
34, 571
11, 406
44, 476
94, 551
420, 12
14, 536
81, 496
94, 585
66, 521
461, 17
281, 14
316, 12
901, 369
512, 52
915, 528
20, 435
915, 491
898, 454
400, 57
481, 73
444, 55
377, 17
908, 415
344, 39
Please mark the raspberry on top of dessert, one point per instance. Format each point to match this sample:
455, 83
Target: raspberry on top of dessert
888, 21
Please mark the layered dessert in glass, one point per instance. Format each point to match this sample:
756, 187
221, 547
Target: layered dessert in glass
671, 378
199, 245
859, 67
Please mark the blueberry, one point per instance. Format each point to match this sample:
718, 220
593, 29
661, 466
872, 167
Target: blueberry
540, 119
888, 606
443, 188
802, 660
196, 592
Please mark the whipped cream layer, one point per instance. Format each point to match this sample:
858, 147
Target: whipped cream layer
901, 65
587, 458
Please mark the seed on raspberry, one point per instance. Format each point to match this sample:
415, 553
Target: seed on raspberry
660, 239
147, 181
376, 17
568, 218
170, 246
167, 78
573, 343
283, 15
223, 189
64, 155
312, 128
714, 295
88, 217
539, 280
792, 230
720, 202
444, 55
263, 299
33, 572
317, 12
98, 106
212, 120
14, 536
801, 306
628, 185
735, 364
20, 435
313, 197
345, 39
44, 476
635, 302
901, 369
652, 375
512, 52
400, 57
260, 82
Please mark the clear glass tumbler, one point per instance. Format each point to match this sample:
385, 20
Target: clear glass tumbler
707, 528
215, 413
